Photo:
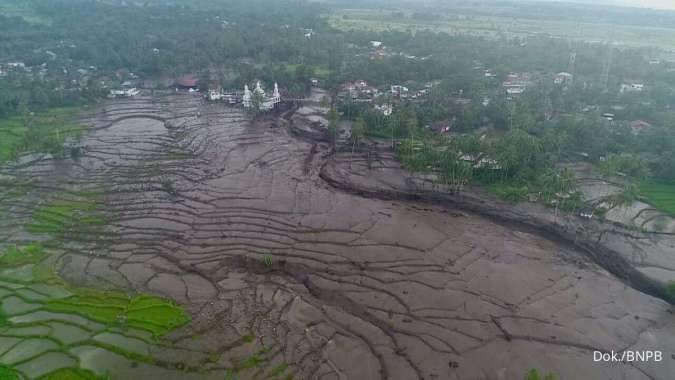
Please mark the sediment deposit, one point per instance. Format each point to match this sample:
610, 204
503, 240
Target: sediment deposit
234, 220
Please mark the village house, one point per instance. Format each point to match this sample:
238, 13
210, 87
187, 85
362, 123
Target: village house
608, 118
462, 101
443, 126
124, 93
386, 109
378, 54
399, 92
632, 87
216, 93
638, 126
563, 78
516, 83
16, 65
188, 82
358, 90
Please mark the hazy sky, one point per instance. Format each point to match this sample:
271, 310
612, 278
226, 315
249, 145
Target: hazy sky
657, 4
660, 4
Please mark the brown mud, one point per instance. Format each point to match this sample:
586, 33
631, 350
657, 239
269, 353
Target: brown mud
237, 222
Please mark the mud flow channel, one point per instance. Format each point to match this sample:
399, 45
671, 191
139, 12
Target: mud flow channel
284, 276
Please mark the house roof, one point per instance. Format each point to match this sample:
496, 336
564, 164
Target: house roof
639, 124
189, 80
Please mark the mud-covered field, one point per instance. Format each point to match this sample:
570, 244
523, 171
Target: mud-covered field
284, 275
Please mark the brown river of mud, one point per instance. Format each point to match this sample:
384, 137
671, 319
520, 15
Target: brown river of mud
233, 221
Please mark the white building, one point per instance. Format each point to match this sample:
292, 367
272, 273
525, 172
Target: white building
632, 87
268, 102
247, 97
398, 91
385, 109
563, 78
125, 93
215, 94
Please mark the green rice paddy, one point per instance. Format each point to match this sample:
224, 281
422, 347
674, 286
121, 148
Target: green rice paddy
44, 131
659, 195
15, 256
63, 216
153, 314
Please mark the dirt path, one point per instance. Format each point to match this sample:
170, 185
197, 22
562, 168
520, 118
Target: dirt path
232, 220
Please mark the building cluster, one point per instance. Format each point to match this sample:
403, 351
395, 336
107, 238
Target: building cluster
217, 94
248, 97
10, 66
361, 91
124, 92
516, 83
358, 91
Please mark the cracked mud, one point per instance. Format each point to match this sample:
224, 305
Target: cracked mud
284, 274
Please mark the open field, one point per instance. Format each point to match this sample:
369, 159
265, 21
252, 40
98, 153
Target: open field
492, 27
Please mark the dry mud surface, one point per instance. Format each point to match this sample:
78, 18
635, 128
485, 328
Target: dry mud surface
232, 220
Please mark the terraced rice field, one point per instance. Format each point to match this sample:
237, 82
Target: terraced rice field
661, 196
189, 242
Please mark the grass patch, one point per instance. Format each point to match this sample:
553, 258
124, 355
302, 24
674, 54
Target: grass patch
71, 374
47, 133
153, 314
14, 257
659, 195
